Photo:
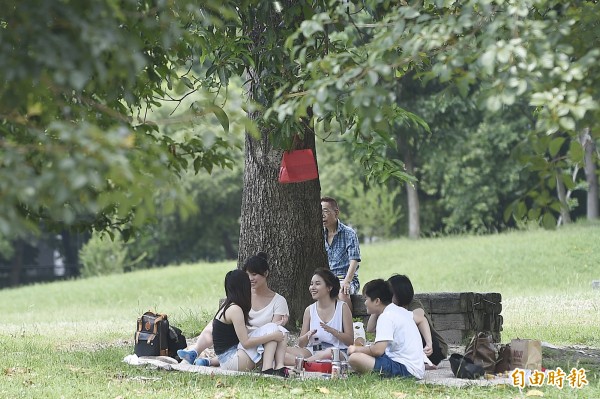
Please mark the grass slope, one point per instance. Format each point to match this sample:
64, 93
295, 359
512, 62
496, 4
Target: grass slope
67, 339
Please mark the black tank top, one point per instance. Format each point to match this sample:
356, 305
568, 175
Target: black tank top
224, 336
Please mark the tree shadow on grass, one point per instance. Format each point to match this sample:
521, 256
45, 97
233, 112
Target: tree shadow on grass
573, 357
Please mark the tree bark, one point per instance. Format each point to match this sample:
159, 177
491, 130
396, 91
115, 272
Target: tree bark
589, 166
412, 197
283, 220
565, 215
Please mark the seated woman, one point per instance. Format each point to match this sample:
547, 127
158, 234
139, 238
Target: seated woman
327, 323
434, 345
236, 347
267, 307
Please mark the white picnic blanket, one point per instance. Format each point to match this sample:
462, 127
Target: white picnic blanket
441, 376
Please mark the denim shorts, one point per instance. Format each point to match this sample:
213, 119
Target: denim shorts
389, 368
228, 360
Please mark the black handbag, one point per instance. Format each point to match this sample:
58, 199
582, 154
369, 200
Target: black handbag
463, 367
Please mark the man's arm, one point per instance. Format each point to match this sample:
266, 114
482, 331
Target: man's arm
375, 350
424, 329
372, 323
349, 276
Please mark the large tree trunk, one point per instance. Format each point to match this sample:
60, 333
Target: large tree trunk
283, 220
589, 166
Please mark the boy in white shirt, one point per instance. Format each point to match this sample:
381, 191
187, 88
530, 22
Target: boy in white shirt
398, 350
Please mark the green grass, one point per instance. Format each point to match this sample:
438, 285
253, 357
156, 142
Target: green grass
67, 339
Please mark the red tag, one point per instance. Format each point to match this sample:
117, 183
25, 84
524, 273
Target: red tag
298, 166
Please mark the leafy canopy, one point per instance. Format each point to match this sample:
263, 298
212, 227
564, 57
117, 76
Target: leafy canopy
494, 51
77, 147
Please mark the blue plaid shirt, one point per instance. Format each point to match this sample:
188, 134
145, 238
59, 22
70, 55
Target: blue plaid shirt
343, 248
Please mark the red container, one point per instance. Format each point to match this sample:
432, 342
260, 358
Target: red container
319, 366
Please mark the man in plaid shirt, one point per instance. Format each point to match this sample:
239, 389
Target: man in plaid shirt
343, 253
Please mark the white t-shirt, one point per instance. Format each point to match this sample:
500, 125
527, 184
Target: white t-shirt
397, 326
277, 306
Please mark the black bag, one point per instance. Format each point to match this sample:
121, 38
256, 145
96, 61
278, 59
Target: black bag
463, 367
152, 335
504, 362
176, 341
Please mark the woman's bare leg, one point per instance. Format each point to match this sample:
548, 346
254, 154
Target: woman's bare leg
291, 353
280, 353
205, 339
269, 355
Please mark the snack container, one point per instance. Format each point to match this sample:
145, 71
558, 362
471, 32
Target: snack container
318, 366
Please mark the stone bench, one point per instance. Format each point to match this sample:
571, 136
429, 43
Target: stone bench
457, 316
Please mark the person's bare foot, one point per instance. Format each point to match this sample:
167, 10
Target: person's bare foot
430, 366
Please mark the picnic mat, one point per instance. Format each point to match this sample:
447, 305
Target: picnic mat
441, 376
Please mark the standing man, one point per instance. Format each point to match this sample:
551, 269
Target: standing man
343, 253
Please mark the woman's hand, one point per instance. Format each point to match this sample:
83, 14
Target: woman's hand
310, 333
351, 349
278, 336
328, 329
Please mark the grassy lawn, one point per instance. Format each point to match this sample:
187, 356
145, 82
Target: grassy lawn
67, 339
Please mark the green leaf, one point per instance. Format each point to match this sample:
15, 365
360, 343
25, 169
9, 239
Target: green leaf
409, 12
567, 123
555, 145
576, 152
308, 28
222, 117
549, 221
520, 210
197, 164
487, 60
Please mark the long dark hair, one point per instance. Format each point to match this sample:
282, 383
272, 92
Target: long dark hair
402, 289
237, 291
330, 280
258, 264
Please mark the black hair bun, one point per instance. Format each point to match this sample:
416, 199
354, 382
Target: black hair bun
263, 255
